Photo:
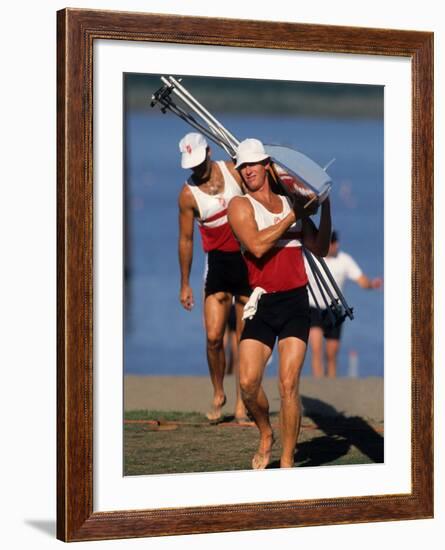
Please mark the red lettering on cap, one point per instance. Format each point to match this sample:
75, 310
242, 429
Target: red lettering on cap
189, 149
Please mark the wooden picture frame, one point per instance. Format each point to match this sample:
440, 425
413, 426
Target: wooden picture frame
77, 31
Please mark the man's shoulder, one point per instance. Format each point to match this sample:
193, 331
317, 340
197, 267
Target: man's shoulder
186, 198
340, 259
230, 165
348, 265
344, 256
185, 190
227, 163
239, 203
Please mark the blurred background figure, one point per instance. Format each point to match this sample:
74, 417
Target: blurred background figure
342, 267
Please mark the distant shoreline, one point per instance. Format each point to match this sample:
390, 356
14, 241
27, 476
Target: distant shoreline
266, 97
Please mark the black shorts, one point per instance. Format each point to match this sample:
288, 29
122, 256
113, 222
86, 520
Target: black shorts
322, 320
279, 314
226, 272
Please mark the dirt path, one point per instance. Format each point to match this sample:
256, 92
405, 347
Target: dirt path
345, 396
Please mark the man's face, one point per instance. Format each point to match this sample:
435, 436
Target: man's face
254, 174
333, 249
202, 171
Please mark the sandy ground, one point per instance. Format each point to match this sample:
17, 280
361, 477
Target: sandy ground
347, 396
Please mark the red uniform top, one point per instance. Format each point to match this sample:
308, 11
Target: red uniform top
282, 267
213, 225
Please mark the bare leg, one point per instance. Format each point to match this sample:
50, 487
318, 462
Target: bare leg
216, 311
292, 351
233, 345
227, 344
240, 409
316, 343
253, 358
332, 347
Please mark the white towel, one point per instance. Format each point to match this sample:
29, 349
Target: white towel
252, 304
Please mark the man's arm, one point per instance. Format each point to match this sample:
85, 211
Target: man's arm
354, 272
185, 246
316, 240
365, 282
242, 221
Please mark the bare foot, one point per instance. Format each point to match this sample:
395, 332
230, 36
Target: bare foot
243, 420
262, 457
215, 414
241, 414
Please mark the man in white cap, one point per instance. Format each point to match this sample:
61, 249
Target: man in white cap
205, 198
272, 231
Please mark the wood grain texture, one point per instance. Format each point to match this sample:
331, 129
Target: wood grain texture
422, 274
77, 30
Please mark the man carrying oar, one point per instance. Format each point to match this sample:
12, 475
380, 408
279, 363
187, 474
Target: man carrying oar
205, 197
272, 231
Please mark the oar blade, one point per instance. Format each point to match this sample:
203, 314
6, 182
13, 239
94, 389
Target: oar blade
300, 173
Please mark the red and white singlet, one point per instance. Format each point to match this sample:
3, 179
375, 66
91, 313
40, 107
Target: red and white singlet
212, 222
282, 267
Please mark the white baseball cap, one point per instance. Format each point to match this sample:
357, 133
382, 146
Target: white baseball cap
193, 147
250, 150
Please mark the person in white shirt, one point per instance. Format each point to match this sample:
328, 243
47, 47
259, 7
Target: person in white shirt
342, 267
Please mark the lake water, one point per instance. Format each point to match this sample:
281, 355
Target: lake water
161, 338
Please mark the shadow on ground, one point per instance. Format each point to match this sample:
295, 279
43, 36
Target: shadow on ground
341, 434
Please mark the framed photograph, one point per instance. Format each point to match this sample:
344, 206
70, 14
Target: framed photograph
132, 381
